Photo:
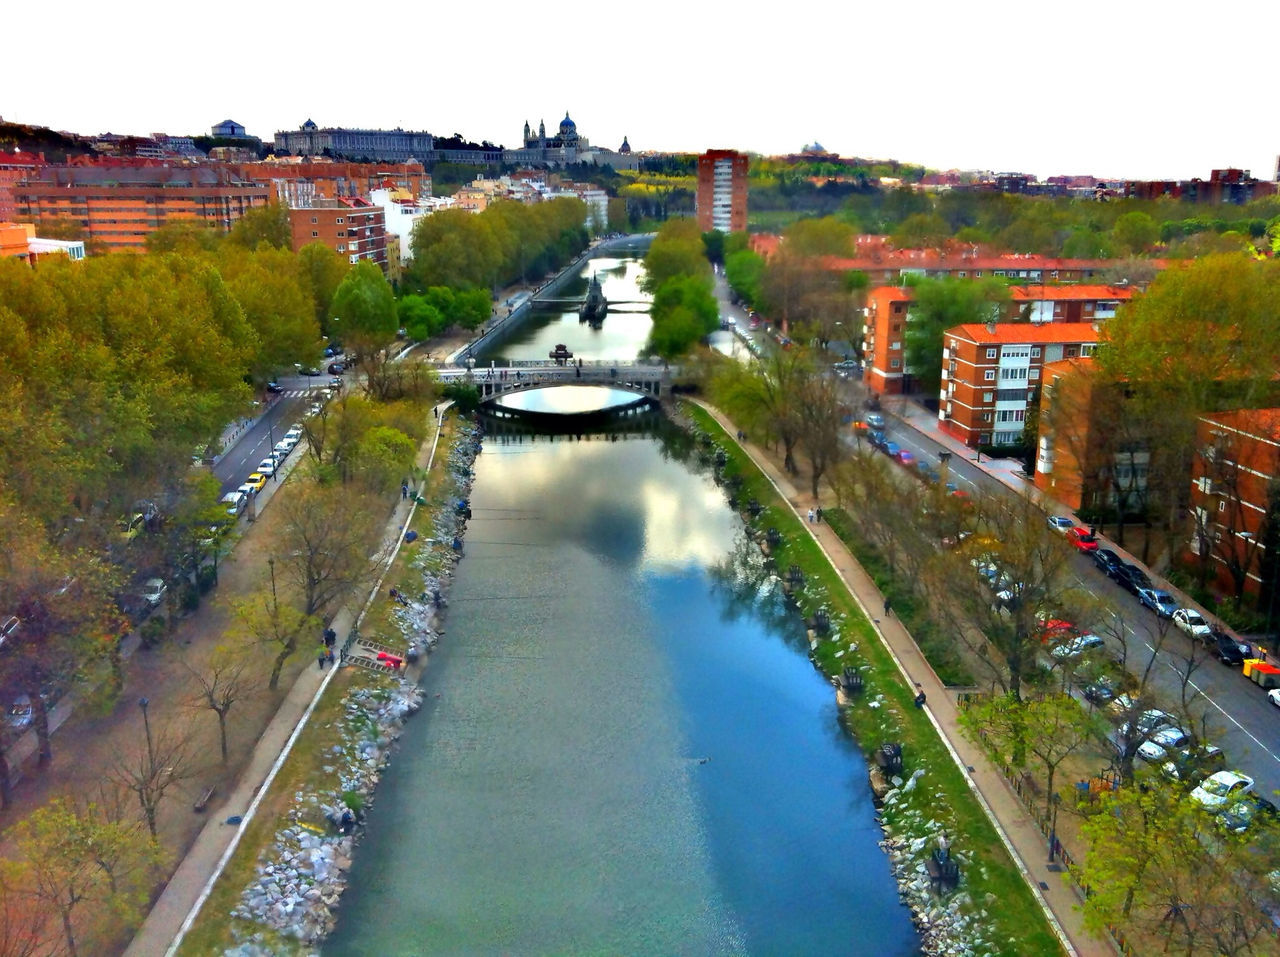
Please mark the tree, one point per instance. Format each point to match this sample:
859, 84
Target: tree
683, 311
157, 764
324, 541
274, 293
324, 271
420, 318
820, 425
265, 226
70, 856
677, 251
939, 304
1135, 233
222, 683
267, 620
826, 236
767, 395
365, 313
744, 271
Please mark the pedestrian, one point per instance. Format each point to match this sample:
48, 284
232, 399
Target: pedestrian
435, 413
404, 491
888, 608
818, 514
810, 516
322, 656
329, 656
330, 637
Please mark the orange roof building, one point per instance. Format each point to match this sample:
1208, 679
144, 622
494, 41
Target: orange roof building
991, 375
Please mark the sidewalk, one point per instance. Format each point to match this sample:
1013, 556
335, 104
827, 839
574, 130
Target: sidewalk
1022, 837
202, 858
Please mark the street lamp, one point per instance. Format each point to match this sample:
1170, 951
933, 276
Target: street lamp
143, 703
271, 438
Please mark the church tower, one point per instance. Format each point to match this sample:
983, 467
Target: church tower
526, 134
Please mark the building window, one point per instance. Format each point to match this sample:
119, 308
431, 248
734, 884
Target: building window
1087, 350
992, 352
313, 222
314, 234
1033, 374
988, 397
339, 220
342, 247
895, 363
895, 345
986, 416
342, 233
1035, 352
989, 375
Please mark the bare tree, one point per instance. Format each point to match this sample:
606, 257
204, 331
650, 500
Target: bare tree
222, 683
158, 763
270, 621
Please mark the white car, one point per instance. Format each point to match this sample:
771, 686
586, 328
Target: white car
1156, 748
284, 447
153, 590
1221, 789
1076, 647
235, 502
316, 409
1274, 696
1061, 524
248, 490
1192, 622
267, 466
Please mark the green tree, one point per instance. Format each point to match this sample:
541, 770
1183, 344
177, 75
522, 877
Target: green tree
1135, 233
421, 319
275, 296
744, 271
324, 270
264, 226
939, 304
683, 311
676, 251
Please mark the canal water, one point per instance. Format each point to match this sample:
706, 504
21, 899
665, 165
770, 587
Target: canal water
624, 748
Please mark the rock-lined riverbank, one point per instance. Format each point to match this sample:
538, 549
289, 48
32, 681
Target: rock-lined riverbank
300, 877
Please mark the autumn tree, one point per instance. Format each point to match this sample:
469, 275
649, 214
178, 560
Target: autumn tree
222, 683
69, 856
273, 291
365, 310
265, 226
155, 765
323, 269
267, 619
323, 545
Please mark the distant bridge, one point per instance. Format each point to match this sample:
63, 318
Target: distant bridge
641, 379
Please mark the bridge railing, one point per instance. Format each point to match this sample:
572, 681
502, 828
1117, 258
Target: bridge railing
648, 365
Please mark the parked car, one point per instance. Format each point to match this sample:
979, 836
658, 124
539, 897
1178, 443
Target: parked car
268, 466
309, 370
235, 502
274, 388
129, 527
1274, 696
256, 480
1100, 690
1230, 651
294, 433
1192, 622
905, 458
1159, 601
337, 368
153, 590
1081, 539
877, 438
1077, 646
333, 350
891, 449
1194, 764
1061, 524
1157, 747
874, 420
1131, 577
1239, 816
1222, 788
1107, 561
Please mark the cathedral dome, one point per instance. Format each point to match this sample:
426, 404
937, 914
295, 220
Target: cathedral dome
567, 125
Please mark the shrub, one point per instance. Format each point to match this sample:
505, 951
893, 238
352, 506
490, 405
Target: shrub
152, 631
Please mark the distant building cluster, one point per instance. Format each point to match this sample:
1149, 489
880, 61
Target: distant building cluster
1223, 186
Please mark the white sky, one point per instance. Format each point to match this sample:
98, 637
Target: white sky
1125, 88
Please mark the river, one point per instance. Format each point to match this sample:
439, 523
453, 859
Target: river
624, 747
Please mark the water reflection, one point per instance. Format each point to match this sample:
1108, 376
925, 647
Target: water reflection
567, 399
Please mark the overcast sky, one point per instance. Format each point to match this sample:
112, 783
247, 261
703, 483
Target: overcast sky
1124, 88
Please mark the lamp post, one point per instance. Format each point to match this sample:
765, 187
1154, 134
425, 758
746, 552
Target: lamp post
143, 703
271, 438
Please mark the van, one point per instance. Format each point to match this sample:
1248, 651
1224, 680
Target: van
235, 502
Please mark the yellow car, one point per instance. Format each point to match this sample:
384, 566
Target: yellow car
129, 527
257, 480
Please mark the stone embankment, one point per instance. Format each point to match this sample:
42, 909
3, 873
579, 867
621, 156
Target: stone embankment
300, 876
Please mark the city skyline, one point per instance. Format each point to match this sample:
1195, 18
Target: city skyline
1001, 89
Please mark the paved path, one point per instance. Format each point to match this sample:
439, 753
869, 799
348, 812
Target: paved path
1023, 838
201, 861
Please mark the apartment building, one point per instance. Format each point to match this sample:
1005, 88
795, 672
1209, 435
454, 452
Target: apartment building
119, 205
1232, 476
353, 228
19, 241
721, 199
991, 375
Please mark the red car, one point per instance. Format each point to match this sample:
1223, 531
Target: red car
906, 458
1082, 540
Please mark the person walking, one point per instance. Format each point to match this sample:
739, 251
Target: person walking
322, 655
810, 516
888, 608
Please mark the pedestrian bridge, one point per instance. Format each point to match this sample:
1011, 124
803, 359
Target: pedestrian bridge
641, 379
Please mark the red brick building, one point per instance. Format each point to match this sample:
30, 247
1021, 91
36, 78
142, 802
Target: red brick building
991, 375
120, 204
353, 228
1237, 462
721, 200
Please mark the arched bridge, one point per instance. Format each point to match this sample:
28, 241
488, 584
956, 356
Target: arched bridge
494, 381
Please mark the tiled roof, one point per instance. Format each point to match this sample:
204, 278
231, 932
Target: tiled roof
1070, 292
1015, 332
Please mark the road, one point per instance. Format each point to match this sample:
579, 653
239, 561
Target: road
1235, 713
260, 436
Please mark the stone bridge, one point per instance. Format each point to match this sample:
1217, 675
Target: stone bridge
643, 379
